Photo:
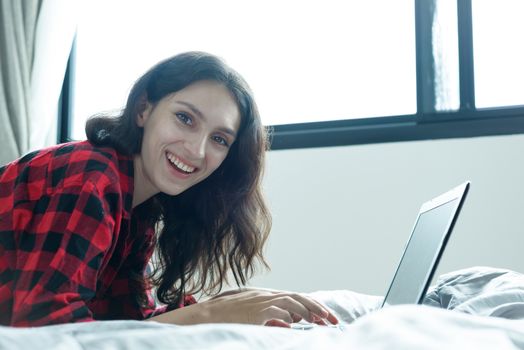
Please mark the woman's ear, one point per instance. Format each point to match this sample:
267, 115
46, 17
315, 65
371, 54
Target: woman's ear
144, 110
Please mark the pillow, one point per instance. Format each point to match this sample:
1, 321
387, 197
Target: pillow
484, 291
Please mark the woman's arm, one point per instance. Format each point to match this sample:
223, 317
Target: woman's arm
71, 234
251, 306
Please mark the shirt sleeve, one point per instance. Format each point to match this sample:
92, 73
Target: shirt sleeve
188, 300
66, 240
120, 300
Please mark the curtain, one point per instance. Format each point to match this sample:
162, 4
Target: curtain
35, 42
54, 38
18, 21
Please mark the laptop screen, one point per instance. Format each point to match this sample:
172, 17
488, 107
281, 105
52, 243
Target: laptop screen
423, 250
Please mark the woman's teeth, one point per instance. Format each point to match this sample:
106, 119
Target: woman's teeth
178, 163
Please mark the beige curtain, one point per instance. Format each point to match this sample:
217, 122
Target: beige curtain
55, 33
35, 42
18, 22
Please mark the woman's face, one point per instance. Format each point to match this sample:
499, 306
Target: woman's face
187, 135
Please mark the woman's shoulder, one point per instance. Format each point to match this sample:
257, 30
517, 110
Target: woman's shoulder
102, 165
64, 153
73, 164
82, 151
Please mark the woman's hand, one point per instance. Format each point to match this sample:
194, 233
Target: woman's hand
252, 306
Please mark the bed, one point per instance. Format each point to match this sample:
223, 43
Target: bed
474, 308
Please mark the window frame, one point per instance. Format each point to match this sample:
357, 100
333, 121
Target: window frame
426, 124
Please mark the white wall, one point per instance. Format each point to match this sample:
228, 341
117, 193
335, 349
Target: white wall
342, 215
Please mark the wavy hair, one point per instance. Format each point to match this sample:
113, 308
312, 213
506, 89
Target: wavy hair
217, 227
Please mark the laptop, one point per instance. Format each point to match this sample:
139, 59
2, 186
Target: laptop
423, 250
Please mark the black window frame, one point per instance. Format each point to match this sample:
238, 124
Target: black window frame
426, 124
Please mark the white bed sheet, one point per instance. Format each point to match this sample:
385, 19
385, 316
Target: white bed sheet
479, 308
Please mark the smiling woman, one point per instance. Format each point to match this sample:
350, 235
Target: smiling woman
185, 157
187, 136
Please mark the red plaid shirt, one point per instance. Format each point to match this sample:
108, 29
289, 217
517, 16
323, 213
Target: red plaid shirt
68, 239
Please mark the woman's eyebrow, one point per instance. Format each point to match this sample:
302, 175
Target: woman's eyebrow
196, 111
193, 109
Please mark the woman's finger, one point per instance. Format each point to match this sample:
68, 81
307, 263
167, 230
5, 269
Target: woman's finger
277, 323
321, 322
275, 313
293, 306
314, 307
332, 318
325, 313
296, 318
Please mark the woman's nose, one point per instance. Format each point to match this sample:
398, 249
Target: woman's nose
197, 146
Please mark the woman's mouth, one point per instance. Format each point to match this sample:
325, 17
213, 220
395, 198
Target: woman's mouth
179, 165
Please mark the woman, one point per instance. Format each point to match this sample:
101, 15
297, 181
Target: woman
180, 170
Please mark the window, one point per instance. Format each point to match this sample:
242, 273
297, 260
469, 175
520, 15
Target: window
324, 73
305, 60
498, 31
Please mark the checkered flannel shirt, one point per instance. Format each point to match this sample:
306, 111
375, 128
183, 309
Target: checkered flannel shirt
68, 239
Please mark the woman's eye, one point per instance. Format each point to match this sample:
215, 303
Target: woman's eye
220, 140
184, 118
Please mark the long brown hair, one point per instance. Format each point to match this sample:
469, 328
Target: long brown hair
219, 225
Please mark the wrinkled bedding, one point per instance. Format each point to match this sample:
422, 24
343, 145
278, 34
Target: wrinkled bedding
476, 308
